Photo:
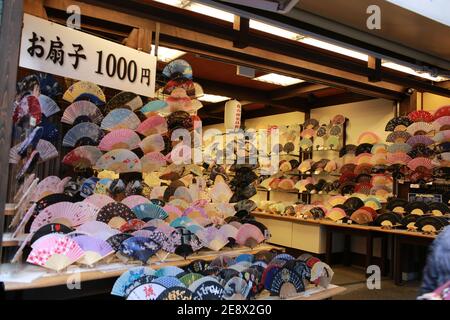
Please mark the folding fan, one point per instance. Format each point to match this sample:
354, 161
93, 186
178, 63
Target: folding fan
249, 235
420, 140
443, 136
29, 85
153, 143
286, 283
153, 125
381, 180
286, 184
46, 150
368, 137
147, 291
128, 278
135, 200
48, 105
419, 128
332, 142
84, 88
124, 100
115, 214
336, 200
168, 281
55, 252
420, 116
220, 193
132, 225
82, 111
177, 69
398, 137
398, 124
153, 161
308, 133
207, 288
321, 131
379, 159
85, 133
149, 211
431, 224
153, 106
305, 143
398, 158
414, 164
335, 214
176, 293
82, 157
338, 119
441, 124
388, 220
399, 147
361, 217
179, 101
363, 158
67, 213
439, 208
417, 207
28, 106
311, 124
442, 112
94, 249
119, 161
120, 119
120, 139
97, 229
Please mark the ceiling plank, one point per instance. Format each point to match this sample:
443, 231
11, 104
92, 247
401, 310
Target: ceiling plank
295, 90
343, 98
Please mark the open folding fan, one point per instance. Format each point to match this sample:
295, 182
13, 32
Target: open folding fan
55, 252
67, 213
398, 124
115, 214
220, 193
139, 248
85, 133
120, 119
153, 143
419, 128
153, 161
29, 85
368, 137
85, 90
82, 157
398, 137
124, 100
129, 277
119, 161
399, 147
414, 164
97, 229
207, 288
149, 211
120, 139
442, 112
29, 106
82, 111
177, 69
153, 125
46, 150
146, 291
249, 235
442, 123
286, 283
420, 116
135, 200
398, 158
48, 105
153, 106
442, 136
94, 249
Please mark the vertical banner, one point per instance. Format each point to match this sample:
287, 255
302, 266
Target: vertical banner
56, 49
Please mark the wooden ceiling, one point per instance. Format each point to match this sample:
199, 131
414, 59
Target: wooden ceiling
220, 78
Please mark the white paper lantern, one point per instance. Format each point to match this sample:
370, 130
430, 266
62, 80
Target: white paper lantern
233, 111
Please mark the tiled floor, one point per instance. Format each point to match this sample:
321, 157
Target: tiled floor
354, 280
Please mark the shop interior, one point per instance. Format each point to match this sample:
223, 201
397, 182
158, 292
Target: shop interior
361, 181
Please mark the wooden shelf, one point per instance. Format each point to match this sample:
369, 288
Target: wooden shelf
8, 241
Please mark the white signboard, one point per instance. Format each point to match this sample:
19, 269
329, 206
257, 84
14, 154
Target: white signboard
56, 49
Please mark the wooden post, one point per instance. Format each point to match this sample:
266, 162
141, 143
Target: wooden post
10, 32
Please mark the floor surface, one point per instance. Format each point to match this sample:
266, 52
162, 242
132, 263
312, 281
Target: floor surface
354, 279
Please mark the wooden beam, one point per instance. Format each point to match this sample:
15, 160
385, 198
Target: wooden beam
374, 65
10, 33
342, 98
132, 40
35, 8
408, 104
295, 90
242, 27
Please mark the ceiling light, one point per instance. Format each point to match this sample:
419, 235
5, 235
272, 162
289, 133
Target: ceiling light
278, 79
166, 54
425, 75
213, 98
200, 8
264, 27
337, 49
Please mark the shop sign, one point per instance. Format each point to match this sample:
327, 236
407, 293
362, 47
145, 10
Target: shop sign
56, 49
424, 197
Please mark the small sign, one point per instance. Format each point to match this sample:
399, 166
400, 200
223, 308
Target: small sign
52, 48
424, 197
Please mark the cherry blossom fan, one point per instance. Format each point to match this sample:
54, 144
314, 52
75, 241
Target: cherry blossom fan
119, 161
86, 89
120, 139
67, 213
115, 215
48, 105
442, 112
82, 157
82, 111
420, 116
153, 125
153, 161
85, 133
55, 252
28, 106
99, 200
249, 235
135, 200
46, 187
94, 249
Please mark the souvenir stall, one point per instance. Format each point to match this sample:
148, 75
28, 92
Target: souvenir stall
128, 199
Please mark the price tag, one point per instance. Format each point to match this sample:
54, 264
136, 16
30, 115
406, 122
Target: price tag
414, 186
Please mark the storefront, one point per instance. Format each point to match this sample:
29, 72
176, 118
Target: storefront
207, 151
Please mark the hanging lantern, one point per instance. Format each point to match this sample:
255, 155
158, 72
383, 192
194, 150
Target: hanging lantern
233, 111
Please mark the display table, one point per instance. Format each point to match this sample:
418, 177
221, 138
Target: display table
316, 293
